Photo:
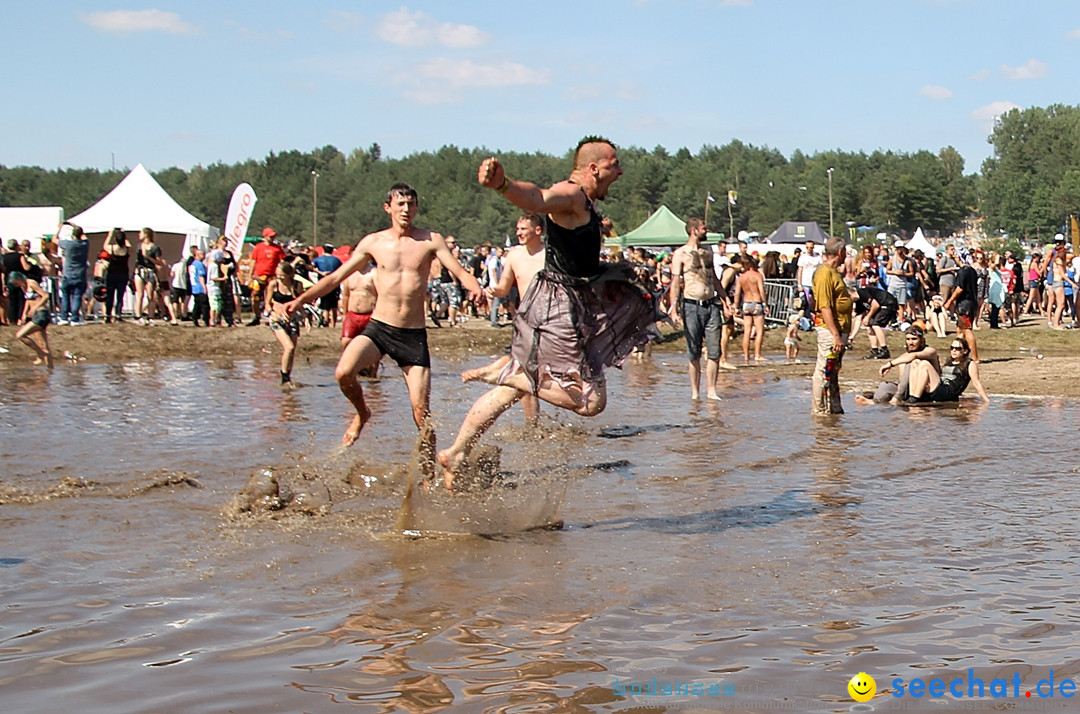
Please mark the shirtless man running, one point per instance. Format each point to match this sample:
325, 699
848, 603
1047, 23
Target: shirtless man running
520, 266
404, 254
750, 303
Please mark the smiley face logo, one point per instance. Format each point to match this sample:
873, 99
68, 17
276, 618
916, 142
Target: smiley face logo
862, 687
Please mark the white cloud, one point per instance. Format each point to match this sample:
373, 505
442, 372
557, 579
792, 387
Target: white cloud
980, 76
461, 35
993, 110
736, 3
466, 73
1073, 34
935, 92
1033, 69
442, 80
128, 21
415, 29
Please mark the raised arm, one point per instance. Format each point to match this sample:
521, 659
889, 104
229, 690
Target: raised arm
560, 198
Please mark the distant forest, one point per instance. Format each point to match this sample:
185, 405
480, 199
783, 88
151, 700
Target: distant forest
1027, 188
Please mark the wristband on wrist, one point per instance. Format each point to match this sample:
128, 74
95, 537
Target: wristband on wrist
505, 185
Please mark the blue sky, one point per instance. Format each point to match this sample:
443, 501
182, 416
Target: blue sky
202, 82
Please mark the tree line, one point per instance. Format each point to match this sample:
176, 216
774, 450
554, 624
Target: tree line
1028, 187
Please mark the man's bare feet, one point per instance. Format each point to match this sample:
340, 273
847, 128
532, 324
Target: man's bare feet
357, 424
489, 374
715, 396
727, 365
451, 464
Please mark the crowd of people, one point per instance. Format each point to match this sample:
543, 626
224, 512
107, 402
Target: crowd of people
575, 308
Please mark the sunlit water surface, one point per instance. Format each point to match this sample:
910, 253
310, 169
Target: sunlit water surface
742, 543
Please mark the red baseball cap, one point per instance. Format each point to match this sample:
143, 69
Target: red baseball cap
269, 233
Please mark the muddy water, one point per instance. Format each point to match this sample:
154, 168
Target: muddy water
741, 545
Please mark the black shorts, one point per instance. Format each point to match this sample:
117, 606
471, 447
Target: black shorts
406, 346
885, 316
944, 392
330, 300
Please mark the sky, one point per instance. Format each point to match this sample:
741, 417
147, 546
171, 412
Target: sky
117, 83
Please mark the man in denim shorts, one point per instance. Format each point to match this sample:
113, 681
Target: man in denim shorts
692, 273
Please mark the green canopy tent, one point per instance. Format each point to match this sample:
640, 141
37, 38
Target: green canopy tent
661, 228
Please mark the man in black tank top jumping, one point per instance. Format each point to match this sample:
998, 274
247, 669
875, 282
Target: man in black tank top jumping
577, 317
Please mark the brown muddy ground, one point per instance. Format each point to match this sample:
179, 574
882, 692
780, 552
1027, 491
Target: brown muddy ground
1010, 356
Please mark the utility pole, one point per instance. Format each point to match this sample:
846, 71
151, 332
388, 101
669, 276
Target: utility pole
830, 202
315, 208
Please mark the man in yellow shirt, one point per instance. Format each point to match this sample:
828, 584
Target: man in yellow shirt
833, 323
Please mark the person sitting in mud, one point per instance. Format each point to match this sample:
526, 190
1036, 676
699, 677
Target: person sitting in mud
947, 384
918, 355
35, 317
919, 359
404, 253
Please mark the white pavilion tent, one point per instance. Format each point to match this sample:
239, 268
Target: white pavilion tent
139, 201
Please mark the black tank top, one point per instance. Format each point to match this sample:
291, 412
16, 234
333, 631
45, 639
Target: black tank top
281, 298
955, 376
575, 252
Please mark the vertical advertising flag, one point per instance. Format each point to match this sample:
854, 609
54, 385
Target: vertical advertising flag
732, 197
239, 216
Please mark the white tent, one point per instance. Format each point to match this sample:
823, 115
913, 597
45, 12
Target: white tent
139, 201
919, 242
30, 223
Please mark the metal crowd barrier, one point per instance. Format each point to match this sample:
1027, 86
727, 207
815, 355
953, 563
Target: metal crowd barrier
778, 296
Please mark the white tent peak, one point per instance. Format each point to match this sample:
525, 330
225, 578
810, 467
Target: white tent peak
139, 201
919, 242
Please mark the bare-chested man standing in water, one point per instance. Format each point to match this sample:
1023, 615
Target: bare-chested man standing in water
700, 307
520, 266
404, 254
